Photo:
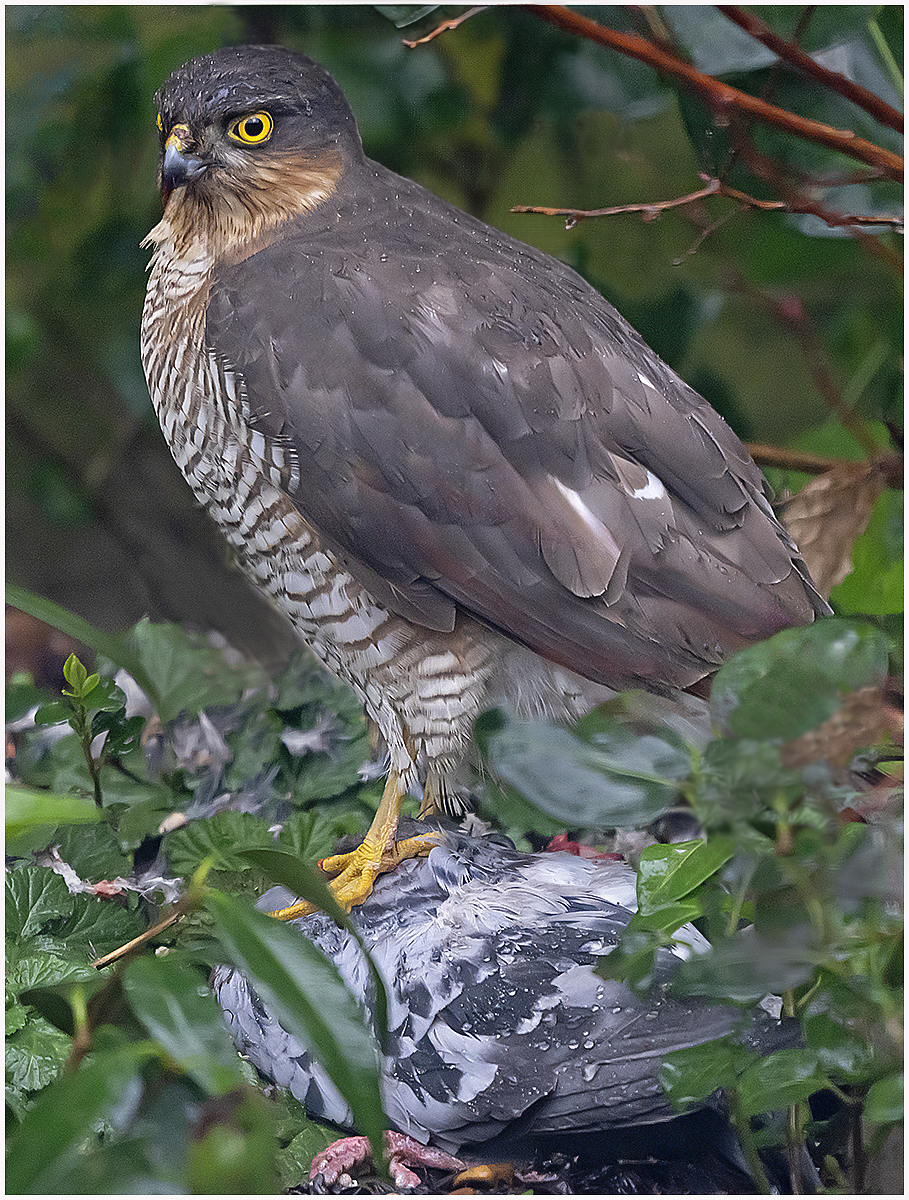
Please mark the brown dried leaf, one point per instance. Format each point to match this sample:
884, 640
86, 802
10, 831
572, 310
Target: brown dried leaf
827, 516
863, 719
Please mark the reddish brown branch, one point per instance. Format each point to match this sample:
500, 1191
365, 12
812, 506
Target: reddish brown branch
878, 108
446, 25
723, 99
713, 187
890, 465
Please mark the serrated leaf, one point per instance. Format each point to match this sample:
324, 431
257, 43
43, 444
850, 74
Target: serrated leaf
187, 672
667, 873
306, 994
782, 1078
47, 970
35, 897
44, 1150
185, 1020
221, 838
296, 1158
94, 854
35, 1055
16, 1016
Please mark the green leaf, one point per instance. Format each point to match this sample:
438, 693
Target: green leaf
183, 1016
689, 1076
615, 779
875, 584
296, 1158
668, 873
187, 672
306, 994
847, 1055
223, 838
884, 1102
35, 898
35, 1055
45, 1149
112, 645
794, 681
41, 970
307, 883
76, 676
744, 970
28, 810
780, 1079
235, 1154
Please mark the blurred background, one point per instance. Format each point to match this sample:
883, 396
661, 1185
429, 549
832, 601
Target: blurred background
791, 326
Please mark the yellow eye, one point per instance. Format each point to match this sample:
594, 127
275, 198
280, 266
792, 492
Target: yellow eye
159, 123
253, 129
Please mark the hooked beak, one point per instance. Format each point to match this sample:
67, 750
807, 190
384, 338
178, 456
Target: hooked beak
178, 167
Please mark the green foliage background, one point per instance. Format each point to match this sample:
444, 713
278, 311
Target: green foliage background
505, 110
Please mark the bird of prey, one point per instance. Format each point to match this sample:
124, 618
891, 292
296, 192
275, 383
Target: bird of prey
502, 1039
455, 467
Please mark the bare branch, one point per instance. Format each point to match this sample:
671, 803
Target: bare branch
652, 209
452, 24
721, 98
878, 108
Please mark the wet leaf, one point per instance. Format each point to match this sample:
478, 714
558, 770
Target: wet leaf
782, 1078
668, 873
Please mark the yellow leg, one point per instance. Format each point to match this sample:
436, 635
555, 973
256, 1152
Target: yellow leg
355, 872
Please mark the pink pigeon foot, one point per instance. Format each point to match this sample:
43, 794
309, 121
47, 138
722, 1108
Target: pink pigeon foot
401, 1151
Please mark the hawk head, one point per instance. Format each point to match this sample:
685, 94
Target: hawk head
250, 136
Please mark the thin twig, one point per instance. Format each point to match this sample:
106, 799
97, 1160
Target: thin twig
452, 24
177, 912
722, 98
878, 108
652, 209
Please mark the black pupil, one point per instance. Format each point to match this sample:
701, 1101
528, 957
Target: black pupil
254, 126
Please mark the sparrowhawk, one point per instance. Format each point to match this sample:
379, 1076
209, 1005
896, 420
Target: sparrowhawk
456, 468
